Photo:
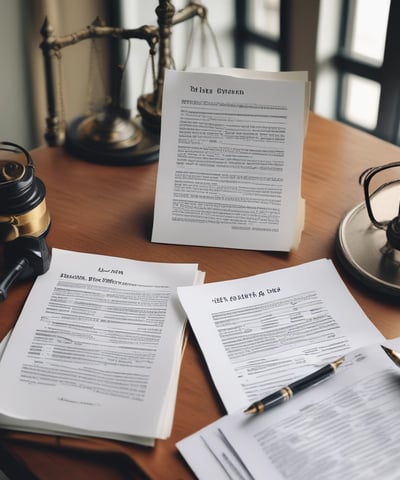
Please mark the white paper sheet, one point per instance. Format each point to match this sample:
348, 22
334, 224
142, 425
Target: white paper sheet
346, 427
230, 162
97, 349
3, 343
262, 332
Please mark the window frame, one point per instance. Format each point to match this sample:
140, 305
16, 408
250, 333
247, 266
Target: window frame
387, 75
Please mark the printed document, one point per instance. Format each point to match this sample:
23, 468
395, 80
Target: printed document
97, 349
262, 332
230, 163
346, 428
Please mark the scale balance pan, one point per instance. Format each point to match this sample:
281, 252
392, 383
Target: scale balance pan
363, 249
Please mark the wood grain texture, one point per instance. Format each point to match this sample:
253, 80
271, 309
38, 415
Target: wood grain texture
108, 210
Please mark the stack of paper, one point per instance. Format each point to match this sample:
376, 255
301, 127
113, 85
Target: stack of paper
346, 428
261, 333
97, 349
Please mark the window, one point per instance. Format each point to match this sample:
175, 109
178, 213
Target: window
257, 34
368, 72
357, 71
348, 47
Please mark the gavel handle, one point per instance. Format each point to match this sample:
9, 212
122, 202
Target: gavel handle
11, 276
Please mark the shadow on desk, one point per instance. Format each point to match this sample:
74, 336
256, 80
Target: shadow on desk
112, 465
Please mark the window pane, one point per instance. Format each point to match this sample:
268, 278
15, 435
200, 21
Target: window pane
221, 19
368, 32
264, 17
361, 101
263, 59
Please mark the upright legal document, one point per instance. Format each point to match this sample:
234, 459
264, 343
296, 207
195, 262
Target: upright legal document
230, 161
97, 349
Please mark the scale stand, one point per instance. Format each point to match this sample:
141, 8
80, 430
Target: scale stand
110, 136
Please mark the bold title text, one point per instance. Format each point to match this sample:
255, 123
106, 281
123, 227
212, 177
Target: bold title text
219, 90
246, 296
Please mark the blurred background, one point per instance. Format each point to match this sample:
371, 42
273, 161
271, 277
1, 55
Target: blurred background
349, 48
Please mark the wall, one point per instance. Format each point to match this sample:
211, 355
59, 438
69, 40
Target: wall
14, 82
22, 86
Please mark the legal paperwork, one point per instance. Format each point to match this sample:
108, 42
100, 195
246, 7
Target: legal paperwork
262, 332
346, 428
97, 349
230, 163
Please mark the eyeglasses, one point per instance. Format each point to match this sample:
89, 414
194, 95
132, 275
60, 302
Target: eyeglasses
376, 180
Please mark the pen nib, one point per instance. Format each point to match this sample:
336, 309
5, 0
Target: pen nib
394, 356
251, 410
256, 407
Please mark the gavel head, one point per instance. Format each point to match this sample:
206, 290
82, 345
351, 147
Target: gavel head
23, 210
33, 250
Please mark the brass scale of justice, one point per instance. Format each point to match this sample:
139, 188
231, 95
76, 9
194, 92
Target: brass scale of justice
110, 135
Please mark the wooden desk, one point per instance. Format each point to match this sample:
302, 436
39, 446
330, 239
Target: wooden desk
108, 210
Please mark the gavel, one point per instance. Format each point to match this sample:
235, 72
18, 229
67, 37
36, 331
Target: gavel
24, 219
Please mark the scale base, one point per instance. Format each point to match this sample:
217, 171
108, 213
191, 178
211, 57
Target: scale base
126, 153
363, 249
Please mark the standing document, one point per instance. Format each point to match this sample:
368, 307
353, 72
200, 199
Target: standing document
265, 331
230, 161
97, 349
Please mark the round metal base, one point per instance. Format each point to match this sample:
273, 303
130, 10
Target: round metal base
146, 151
362, 248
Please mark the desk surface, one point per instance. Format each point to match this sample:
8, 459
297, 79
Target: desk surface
108, 210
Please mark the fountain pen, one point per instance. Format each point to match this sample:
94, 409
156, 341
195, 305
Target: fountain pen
286, 393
